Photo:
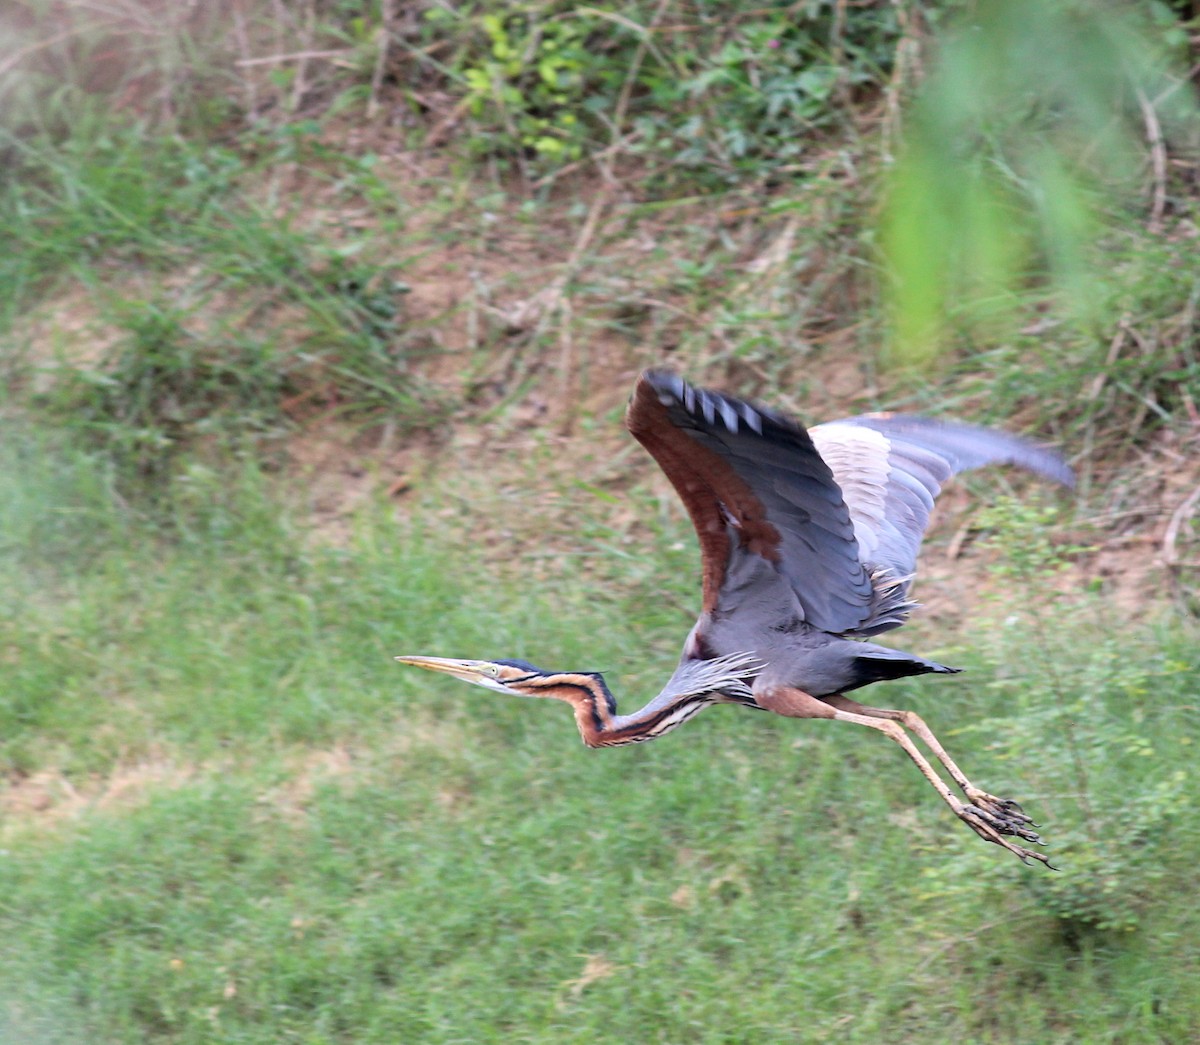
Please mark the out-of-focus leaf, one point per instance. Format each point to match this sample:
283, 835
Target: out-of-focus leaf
1028, 131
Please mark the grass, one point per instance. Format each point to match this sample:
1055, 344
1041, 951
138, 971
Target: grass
257, 828
230, 816
242, 278
196, 355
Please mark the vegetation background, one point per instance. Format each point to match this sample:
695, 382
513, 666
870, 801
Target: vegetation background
317, 319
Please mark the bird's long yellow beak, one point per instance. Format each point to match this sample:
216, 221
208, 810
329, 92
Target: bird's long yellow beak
467, 670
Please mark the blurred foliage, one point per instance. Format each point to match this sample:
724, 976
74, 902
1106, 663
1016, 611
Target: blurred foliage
1025, 145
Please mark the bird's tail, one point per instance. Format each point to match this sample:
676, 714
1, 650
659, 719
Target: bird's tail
880, 663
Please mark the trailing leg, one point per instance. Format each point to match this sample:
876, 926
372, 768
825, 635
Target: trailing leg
1005, 810
795, 703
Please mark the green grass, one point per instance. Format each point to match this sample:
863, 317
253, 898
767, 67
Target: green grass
230, 816
279, 835
217, 304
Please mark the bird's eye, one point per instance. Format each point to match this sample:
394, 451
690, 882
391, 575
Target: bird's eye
492, 671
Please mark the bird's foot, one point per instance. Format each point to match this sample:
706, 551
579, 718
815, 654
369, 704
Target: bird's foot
994, 818
1006, 810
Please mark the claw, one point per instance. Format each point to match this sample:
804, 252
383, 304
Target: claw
993, 827
1011, 817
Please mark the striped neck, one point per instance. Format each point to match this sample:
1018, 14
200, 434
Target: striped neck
596, 709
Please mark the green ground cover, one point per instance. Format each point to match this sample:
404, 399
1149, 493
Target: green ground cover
442, 246
271, 833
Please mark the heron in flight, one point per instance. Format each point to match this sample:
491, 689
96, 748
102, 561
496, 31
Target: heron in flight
808, 541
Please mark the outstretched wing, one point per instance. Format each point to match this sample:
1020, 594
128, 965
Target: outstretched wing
891, 467
839, 511
755, 485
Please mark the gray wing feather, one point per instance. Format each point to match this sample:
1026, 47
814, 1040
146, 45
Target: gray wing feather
849, 500
890, 469
961, 446
817, 553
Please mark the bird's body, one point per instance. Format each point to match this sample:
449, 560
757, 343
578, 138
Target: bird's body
809, 543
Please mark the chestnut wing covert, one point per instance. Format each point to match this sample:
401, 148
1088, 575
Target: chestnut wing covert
838, 510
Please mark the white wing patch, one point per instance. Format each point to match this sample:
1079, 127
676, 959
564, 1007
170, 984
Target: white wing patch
858, 458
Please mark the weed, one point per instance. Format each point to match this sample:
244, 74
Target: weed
200, 361
531, 81
1087, 719
331, 847
730, 96
162, 388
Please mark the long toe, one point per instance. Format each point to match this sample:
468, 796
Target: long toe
993, 829
1004, 809
1006, 823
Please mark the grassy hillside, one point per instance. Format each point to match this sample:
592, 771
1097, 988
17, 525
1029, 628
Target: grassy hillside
318, 321
229, 817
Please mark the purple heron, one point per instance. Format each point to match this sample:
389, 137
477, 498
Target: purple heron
808, 542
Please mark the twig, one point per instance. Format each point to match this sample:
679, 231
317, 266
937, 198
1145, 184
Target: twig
300, 83
537, 310
643, 32
634, 66
837, 51
386, 15
955, 547
17, 57
1089, 433
1158, 160
440, 130
1108, 518
907, 56
509, 124
243, 42
1183, 81
566, 369
281, 19
1171, 535
595, 157
1114, 350
585, 234
295, 56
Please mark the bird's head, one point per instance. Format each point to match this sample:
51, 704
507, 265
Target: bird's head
505, 676
595, 708
518, 677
